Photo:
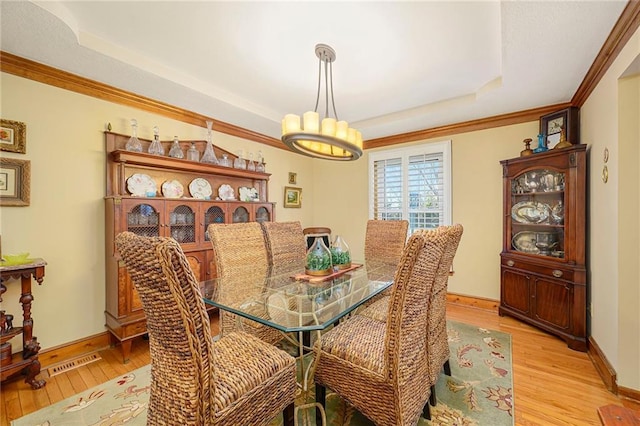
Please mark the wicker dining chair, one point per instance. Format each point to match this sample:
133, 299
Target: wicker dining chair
384, 240
239, 252
195, 381
382, 368
437, 321
286, 246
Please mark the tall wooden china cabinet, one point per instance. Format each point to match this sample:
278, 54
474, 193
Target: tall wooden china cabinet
543, 273
171, 214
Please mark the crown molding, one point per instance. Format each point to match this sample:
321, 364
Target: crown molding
31, 70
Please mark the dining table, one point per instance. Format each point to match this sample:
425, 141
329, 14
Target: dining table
301, 306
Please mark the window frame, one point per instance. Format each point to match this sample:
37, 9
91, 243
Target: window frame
441, 147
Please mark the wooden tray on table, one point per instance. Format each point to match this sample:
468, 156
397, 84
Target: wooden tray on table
320, 279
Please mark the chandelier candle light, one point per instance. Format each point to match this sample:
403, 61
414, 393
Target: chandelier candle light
330, 139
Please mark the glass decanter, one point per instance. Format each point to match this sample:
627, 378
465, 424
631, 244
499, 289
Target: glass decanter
318, 261
192, 153
209, 155
340, 253
251, 165
225, 161
133, 144
239, 162
260, 165
176, 151
156, 147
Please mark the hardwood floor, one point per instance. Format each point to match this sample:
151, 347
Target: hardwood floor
553, 385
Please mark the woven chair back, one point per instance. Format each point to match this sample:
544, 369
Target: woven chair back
437, 319
385, 240
180, 340
407, 353
241, 260
286, 246
238, 248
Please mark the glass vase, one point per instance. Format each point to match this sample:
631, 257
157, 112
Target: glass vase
134, 144
542, 146
156, 147
340, 254
209, 155
318, 260
176, 151
192, 153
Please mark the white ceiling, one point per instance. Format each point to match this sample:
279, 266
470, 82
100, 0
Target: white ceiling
400, 67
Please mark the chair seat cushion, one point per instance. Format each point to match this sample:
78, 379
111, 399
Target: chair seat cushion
378, 310
245, 365
367, 350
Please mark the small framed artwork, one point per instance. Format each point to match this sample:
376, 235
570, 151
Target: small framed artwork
292, 197
13, 136
551, 126
14, 182
293, 177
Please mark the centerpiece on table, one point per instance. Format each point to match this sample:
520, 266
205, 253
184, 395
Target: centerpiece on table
318, 259
340, 254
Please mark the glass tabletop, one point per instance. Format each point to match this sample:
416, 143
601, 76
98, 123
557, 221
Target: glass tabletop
290, 302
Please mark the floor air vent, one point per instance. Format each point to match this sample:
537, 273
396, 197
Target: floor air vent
74, 363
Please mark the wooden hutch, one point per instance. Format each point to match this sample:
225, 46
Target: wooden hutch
185, 219
543, 272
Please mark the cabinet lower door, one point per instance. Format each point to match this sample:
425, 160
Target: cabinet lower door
553, 299
516, 291
128, 300
198, 264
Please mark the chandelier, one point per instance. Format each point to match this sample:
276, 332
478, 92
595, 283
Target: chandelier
330, 138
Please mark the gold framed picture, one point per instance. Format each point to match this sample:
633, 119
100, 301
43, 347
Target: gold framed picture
15, 178
13, 136
292, 197
293, 178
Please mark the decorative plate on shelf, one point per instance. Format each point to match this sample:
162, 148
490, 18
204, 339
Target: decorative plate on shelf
525, 242
530, 212
248, 194
200, 188
172, 189
226, 193
141, 185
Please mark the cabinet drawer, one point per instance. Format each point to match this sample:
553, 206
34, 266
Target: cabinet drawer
135, 329
559, 272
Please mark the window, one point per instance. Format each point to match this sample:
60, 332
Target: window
412, 183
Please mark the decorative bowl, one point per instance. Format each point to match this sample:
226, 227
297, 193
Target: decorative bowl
16, 259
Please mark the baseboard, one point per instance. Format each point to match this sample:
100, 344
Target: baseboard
633, 394
603, 367
73, 349
474, 302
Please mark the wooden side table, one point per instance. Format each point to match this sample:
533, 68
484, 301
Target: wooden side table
28, 365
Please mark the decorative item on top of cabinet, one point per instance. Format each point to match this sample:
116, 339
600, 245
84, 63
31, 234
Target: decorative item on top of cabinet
551, 126
543, 271
184, 219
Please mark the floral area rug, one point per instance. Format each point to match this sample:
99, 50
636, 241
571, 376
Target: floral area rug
479, 392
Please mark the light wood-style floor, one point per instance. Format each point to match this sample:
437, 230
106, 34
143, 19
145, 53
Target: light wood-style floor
553, 385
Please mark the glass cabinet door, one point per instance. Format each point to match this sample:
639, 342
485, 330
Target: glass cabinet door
537, 213
214, 214
240, 215
263, 214
143, 220
182, 224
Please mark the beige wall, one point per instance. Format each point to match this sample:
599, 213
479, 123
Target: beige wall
341, 201
65, 222
607, 121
